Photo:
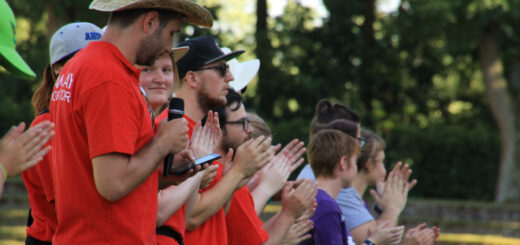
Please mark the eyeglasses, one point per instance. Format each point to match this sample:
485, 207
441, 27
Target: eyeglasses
222, 69
244, 121
362, 141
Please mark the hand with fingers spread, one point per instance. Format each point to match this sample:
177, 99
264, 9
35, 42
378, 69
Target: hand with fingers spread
291, 154
298, 232
394, 194
298, 197
252, 155
421, 235
21, 150
386, 234
205, 138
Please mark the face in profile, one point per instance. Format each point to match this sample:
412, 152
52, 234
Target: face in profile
156, 43
237, 128
157, 80
214, 85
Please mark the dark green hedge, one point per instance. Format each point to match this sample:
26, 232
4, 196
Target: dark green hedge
449, 161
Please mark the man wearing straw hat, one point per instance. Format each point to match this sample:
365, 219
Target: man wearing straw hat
105, 150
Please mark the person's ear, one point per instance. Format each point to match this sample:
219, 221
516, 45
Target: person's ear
343, 163
150, 22
192, 80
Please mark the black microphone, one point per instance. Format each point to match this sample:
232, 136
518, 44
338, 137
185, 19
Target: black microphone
175, 110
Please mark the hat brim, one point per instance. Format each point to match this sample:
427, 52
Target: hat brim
15, 64
225, 57
194, 13
244, 72
179, 52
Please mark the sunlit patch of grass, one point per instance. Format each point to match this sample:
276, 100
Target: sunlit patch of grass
11, 242
12, 232
477, 239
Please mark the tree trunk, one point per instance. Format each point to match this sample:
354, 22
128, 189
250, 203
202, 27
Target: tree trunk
367, 90
503, 109
263, 52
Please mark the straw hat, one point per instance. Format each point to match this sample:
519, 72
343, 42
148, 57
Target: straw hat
194, 13
178, 53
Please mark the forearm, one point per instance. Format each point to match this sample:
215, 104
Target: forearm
173, 197
212, 200
261, 196
269, 224
280, 228
389, 214
116, 174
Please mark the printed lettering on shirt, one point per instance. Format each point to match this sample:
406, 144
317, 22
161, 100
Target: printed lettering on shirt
62, 88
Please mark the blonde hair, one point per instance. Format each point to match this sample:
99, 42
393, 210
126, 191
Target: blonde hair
259, 125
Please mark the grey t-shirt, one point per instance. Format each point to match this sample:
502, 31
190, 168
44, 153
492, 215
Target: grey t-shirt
353, 208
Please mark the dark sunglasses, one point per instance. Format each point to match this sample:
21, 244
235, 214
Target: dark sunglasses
222, 69
244, 121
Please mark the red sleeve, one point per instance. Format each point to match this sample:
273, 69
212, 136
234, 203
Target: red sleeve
44, 168
243, 225
111, 121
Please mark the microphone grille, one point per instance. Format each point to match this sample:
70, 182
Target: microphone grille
177, 103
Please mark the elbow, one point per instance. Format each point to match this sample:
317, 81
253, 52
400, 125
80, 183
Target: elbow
192, 224
112, 193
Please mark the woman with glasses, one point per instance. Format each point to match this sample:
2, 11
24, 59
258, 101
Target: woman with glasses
372, 172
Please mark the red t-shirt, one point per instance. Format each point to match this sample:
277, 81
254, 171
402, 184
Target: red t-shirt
177, 221
243, 225
98, 108
39, 184
213, 231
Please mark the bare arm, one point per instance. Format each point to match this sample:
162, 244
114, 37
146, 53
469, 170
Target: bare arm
250, 157
116, 174
173, 197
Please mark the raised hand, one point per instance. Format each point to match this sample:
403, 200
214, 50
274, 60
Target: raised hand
298, 232
253, 155
393, 193
21, 150
298, 197
205, 138
421, 235
385, 234
292, 153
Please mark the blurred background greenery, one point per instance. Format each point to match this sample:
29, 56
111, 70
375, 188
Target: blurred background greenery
439, 80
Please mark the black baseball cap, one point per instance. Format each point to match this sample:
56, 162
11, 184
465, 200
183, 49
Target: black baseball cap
203, 51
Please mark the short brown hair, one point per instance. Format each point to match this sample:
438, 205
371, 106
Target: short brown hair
343, 125
126, 18
326, 149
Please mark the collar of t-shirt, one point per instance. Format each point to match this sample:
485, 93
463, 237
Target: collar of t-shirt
118, 55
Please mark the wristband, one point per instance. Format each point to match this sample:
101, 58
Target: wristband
368, 242
2, 167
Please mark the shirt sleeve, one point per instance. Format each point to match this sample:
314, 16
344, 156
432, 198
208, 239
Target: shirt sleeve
352, 208
111, 114
327, 230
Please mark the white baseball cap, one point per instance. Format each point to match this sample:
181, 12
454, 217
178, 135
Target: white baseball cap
244, 72
71, 38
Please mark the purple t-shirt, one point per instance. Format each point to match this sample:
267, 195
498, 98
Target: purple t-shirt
329, 227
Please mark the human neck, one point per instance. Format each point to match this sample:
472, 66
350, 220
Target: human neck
192, 108
360, 184
124, 40
330, 185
